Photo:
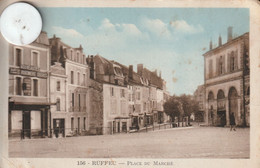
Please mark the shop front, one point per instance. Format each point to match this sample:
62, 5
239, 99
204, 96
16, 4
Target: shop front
29, 120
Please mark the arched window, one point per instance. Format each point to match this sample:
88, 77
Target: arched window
221, 94
58, 104
232, 93
210, 96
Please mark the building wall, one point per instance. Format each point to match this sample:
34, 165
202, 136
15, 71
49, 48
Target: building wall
77, 107
58, 92
95, 104
115, 105
227, 78
29, 63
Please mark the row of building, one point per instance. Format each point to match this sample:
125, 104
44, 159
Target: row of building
226, 87
55, 89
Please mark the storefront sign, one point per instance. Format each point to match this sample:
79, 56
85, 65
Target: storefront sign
27, 86
17, 71
14, 71
42, 74
30, 67
28, 73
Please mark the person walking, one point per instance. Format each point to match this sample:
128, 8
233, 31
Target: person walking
232, 122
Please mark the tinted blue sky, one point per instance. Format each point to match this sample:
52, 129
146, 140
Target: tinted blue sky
171, 40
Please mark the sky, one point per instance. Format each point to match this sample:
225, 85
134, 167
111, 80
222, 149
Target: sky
171, 40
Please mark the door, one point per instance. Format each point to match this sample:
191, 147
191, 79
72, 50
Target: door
118, 127
124, 127
58, 127
27, 123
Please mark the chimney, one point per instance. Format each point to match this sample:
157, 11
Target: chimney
130, 72
210, 45
229, 33
140, 69
219, 41
92, 68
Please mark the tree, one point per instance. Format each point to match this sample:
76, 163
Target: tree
189, 106
173, 108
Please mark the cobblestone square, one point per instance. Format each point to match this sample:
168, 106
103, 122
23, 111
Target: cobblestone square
182, 142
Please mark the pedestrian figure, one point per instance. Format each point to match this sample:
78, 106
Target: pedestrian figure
232, 122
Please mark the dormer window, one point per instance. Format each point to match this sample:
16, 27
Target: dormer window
118, 71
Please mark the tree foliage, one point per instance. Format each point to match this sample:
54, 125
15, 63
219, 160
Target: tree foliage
181, 106
173, 108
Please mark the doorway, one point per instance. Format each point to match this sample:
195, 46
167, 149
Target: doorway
27, 123
221, 118
233, 104
58, 127
118, 127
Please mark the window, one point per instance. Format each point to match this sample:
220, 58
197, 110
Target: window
72, 124
35, 59
72, 99
221, 65
79, 102
71, 54
35, 87
129, 96
58, 85
232, 62
144, 107
18, 57
138, 96
122, 93
84, 126
79, 123
210, 68
112, 91
84, 80
18, 88
77, 57
72, 77
78, 78
58, 104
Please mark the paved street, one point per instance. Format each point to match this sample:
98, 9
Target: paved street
192, 142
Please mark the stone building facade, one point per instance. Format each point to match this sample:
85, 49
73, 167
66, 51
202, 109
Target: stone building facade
29, 103
199, 96
227, 86
77, 71
58, 81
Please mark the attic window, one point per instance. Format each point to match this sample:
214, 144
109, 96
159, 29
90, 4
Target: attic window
118, 71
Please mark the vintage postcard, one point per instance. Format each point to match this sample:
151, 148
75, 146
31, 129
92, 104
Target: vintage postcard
134, 84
